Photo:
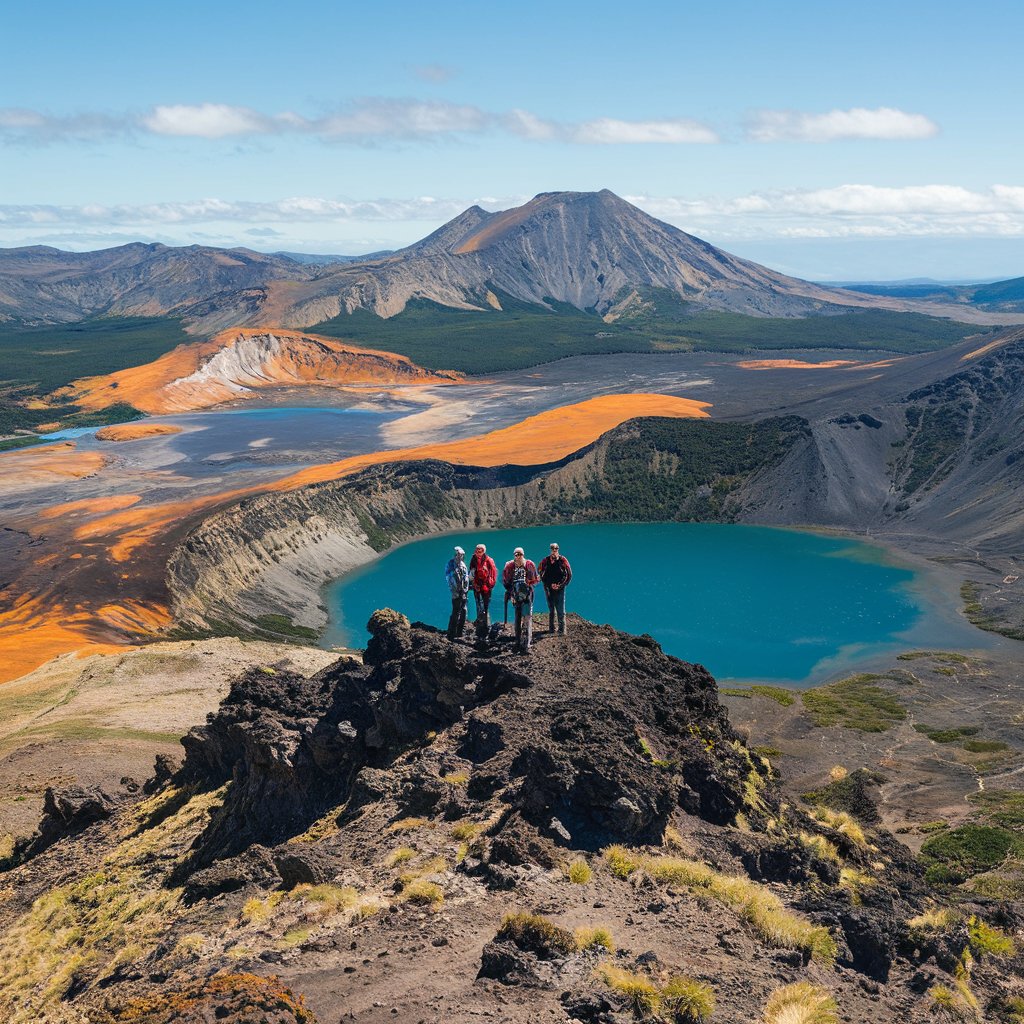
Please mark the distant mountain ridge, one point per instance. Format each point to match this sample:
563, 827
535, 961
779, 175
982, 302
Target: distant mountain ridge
590, 250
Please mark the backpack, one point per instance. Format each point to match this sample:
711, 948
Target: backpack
523, 593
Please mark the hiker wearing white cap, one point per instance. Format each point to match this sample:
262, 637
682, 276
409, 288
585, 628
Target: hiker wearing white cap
456, 575
520, 577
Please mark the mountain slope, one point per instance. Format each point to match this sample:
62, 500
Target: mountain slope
589, 250
39, 284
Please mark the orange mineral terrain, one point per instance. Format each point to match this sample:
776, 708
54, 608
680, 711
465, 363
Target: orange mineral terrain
96, 575
239, 362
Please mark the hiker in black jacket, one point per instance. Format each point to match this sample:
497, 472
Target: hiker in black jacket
556, 574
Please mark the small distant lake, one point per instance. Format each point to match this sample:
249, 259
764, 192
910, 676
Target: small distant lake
748, 602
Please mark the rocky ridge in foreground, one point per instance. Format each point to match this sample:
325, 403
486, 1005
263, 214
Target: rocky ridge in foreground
444, 832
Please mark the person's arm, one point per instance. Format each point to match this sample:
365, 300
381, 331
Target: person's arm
568, 572
492, 574
532, 576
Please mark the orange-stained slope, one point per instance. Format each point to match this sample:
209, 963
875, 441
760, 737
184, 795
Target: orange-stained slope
124, 549
135, 431
240, 361
48, 463
793, 364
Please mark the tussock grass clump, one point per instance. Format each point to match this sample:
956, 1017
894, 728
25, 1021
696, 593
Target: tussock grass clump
594, 938
842, 822
673, 838
432, 866
937, 919
406, 824
800, 1003
819, 846
759, 907
456, 778
622, 861
639, 990
256, 911
422, 892
578, 872
687, 1000
855, 881
536, 934
987, 940
399, 855
680, 1000
467, 831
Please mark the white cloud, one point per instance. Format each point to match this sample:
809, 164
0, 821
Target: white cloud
857, 123
852, 210
208, 121
607, 130
846, 211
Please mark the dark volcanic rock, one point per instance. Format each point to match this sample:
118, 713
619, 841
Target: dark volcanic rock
66, 812
597, 738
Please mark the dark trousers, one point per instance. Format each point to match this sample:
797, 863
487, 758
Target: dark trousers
457, 622
524, 625
483, 607
556, 606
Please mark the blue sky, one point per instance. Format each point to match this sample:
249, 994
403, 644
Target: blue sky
869, 142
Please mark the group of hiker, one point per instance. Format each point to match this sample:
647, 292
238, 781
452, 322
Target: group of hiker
519, 577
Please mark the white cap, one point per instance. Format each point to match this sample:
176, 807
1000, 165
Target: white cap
518, 551
459, 550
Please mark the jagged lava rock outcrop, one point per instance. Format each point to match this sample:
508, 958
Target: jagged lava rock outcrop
560, 738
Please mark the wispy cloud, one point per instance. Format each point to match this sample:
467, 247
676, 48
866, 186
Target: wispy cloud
18, 124
367, 121
437, 74
867, 211
835, 125
846, 211
608, 130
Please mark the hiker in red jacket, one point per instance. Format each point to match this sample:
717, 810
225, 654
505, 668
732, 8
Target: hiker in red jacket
520, 577
483, 574
555, 574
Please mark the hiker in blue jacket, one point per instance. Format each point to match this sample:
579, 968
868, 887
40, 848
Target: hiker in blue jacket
456, 575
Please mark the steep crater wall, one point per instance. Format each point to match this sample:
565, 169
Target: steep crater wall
258, 567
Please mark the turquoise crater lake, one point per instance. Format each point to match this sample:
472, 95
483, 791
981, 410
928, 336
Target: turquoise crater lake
748, 602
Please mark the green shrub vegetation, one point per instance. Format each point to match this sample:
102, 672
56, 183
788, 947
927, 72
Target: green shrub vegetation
1000, 806
854, 703
46, 358
955, 855
985, 746
37, 360
524, 334
950, 735
988, 941
850, 793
